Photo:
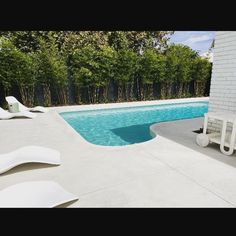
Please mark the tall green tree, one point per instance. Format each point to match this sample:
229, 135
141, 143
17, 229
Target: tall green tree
180, 61
7, 59
105, 73
139, 40
125, 68
84, 65
93, 69
51, 71
201, 73
131, 63
17, 68
151, 70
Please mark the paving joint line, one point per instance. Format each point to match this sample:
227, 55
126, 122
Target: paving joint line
191, 179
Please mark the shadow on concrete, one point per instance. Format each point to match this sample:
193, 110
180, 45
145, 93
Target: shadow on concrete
27, 166
65, 205
182, 132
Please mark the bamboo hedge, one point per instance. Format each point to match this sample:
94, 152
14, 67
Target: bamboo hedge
60, 68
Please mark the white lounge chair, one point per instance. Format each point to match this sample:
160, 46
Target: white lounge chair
11, 99
5, 115
29, 154
35, 194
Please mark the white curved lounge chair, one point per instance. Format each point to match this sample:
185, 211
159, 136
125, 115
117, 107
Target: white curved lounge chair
5, 115
11, 99
35, 194
29, 154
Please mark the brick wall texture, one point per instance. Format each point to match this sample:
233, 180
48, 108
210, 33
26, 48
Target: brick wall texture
223, 81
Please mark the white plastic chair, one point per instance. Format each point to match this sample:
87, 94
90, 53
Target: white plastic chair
11, 99
226, 139
28, 154
5, 115
35, 194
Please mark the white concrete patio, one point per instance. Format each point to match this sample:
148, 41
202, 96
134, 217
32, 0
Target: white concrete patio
168, 171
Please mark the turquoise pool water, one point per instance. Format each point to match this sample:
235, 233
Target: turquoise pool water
124, 126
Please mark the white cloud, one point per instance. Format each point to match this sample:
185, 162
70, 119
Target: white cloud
197, 39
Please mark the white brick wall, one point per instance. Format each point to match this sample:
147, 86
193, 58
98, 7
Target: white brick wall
223, 81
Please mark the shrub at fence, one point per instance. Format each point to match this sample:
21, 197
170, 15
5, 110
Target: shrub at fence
48, 68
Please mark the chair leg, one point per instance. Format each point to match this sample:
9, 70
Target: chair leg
205, 124
232, 139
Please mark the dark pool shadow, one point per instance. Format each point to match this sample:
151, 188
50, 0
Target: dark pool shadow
27, 167
134, 133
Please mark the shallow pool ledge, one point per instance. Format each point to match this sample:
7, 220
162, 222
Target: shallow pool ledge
126, 104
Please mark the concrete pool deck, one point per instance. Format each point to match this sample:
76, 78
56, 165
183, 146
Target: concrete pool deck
167, 171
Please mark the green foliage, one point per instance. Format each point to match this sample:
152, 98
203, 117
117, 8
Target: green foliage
106, 61
203, 68
84, 66
152, 66
93, 68
125, 66
139, 40
201, 73
7, 65
131, 63
180, 68
51, 64
118, 39
51, 69
17, 68
180, 61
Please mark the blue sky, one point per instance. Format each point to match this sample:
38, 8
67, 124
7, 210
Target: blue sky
197, 40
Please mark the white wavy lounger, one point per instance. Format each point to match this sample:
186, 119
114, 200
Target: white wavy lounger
35, 194
11, 99
29, 154
5, 115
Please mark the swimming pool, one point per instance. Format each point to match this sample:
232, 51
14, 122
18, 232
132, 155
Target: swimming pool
125, 126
